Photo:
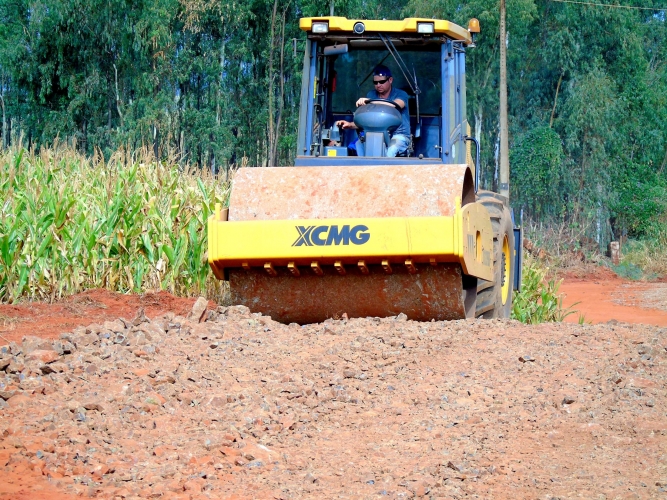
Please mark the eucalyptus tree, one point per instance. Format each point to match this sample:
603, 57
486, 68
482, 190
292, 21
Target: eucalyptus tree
217, 83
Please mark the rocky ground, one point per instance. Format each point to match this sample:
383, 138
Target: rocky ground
222, 403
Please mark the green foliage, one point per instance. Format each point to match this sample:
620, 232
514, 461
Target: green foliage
591, 106
641, 202
644, 258
538, 301
537, 161
218, 84
68, 224
183, 77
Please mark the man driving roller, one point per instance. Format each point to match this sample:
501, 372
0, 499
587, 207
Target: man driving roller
382, 89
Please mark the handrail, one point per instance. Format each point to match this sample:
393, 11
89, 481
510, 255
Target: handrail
470, 138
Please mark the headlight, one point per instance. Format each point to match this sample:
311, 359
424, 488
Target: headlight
359, 28
424, 27
320, 27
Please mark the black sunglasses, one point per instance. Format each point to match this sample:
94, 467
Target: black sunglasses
380, 82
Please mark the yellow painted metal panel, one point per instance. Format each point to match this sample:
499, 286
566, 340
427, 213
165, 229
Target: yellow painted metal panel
331, 239
445, 239
475, 230
409, 25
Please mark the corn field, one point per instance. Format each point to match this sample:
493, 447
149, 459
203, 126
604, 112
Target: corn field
130, 224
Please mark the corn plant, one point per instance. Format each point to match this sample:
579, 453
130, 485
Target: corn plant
69, 223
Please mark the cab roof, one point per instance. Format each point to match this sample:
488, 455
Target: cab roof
341, 26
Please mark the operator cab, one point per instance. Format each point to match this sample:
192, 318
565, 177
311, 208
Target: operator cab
427, 61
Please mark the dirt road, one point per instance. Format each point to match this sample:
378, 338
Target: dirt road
238, 406
609, 298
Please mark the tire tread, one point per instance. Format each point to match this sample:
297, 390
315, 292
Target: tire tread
489, 303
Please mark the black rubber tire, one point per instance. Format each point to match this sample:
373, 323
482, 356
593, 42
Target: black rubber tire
490, 293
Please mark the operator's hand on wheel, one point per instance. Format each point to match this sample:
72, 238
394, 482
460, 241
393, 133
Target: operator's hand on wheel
343, 124
362, 101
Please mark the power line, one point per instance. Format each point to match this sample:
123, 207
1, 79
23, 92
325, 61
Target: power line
610, 5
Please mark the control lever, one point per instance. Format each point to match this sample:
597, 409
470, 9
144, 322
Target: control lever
336, 133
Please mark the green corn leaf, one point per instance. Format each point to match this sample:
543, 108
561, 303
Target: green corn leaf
149, 248
44, 245
169, 252
22, 281
106, 225
4, 250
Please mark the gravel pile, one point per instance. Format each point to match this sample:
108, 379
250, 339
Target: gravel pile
224, 402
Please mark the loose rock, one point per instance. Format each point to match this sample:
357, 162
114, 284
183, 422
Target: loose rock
225, 402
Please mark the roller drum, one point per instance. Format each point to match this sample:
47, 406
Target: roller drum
430, 293
292, 193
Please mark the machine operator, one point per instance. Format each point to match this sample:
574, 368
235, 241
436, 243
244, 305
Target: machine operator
382, 89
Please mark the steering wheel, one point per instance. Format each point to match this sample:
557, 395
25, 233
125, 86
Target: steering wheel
385, 101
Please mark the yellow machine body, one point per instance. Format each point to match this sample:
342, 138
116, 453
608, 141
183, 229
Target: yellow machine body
408, 25
463, 238
347, 231
302, 244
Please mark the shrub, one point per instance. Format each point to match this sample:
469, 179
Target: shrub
538, 301
537, 161
644, 258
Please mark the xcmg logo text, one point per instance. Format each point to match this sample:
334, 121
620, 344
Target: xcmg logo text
331, 235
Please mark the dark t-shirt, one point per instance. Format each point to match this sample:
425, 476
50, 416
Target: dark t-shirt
404, 127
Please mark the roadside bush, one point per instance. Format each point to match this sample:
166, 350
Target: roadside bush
645, 258
539, 300
69, 223
641, 204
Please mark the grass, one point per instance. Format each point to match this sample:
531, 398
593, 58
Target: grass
130, 224
570, 247
644, 259
539, 300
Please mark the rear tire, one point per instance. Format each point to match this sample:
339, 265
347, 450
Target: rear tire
494, 298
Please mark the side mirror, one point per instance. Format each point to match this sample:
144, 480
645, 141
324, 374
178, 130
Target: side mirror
335, 50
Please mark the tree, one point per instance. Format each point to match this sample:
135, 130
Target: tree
218, 83
538, 172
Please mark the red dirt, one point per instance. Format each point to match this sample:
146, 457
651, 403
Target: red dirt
485, 350
49, 321
93, 306
607, 297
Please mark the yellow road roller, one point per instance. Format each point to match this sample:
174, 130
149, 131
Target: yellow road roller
380, 213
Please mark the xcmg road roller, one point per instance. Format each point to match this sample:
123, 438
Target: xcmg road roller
381, 212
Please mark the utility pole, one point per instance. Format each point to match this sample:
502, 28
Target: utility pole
331, 8
504, 181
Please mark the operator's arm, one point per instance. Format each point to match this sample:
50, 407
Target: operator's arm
362, 101
400, 97
345, 124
